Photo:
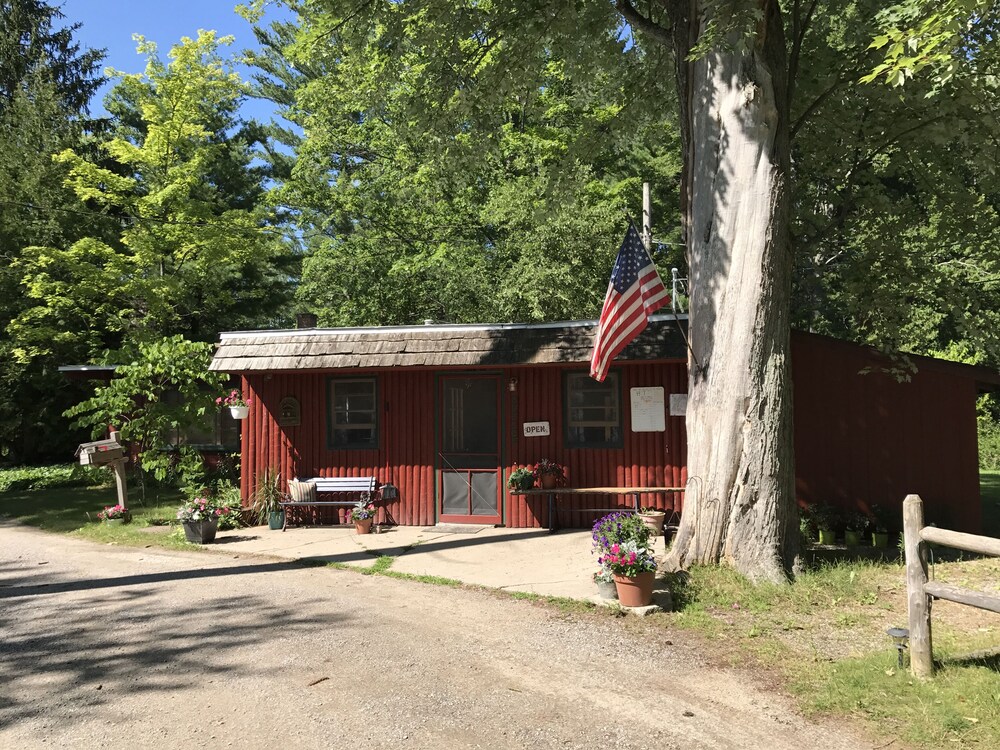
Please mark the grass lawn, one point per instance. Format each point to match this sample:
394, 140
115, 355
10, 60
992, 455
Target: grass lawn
73, 510
824, 638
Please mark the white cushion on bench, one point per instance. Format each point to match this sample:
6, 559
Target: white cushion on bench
302, 492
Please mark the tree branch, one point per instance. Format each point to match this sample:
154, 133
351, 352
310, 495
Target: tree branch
646, 25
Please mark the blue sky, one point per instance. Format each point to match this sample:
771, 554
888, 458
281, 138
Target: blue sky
110, 24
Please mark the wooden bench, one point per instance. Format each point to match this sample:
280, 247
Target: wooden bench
359, 489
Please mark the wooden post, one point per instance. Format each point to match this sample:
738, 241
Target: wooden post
918, 602
118, 467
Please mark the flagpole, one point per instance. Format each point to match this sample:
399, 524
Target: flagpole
647, 218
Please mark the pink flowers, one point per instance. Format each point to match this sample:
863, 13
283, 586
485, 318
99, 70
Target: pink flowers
200, 509
235, 398
113, 512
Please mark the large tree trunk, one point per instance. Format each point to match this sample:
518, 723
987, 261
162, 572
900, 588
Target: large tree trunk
739, 506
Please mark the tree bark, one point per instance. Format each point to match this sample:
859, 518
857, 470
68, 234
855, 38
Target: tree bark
739, 506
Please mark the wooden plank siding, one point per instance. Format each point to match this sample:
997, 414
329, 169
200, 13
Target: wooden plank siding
860, 439
867, 439
407, 449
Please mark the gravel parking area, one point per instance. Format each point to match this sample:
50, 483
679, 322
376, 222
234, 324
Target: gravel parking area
110, 647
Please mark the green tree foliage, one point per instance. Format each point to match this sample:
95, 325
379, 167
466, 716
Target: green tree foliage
194, 254
46, 81
896, 214
503, 205
135, 401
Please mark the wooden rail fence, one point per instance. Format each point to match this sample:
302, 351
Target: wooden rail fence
920, 591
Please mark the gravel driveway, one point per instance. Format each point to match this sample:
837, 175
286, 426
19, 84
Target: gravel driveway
110, 647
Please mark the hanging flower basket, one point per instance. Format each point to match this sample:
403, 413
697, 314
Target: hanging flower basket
238, 406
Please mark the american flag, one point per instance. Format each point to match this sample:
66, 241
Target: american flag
635, 293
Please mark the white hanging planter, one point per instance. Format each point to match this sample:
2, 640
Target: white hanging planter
239, 412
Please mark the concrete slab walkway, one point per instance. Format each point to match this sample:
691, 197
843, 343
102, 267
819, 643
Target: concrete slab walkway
526, 560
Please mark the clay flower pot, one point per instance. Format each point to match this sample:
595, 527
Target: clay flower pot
363, 527
635, 591
654, 520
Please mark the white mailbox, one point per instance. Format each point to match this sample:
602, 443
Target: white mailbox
100, 452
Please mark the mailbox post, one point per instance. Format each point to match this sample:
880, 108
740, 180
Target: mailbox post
108, 453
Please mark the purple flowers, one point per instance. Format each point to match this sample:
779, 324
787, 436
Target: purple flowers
621, 540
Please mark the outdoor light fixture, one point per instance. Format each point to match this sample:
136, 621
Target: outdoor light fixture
512, 385
899, 637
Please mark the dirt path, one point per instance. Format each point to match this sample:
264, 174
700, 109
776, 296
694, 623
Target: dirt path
112, 647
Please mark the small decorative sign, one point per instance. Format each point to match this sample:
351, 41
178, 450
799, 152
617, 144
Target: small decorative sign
647, 409
536, 429
289, 414
678, 404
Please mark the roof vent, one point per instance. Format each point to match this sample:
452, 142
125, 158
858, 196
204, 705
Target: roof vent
428, 321
305, 320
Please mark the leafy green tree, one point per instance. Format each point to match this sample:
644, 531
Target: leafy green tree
46, 82
194, 254
517, 218
135, 401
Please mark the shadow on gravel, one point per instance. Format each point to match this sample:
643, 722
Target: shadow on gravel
14, 588
61, 659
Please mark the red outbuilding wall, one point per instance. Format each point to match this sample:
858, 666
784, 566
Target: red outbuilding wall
862, 437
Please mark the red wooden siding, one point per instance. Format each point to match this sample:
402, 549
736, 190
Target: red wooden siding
407, 448
859, 439
645, 459
406, 437
864, 439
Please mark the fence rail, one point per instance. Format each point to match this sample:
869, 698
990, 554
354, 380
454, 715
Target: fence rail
920, 592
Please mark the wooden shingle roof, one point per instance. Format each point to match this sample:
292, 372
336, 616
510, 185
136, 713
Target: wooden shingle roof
436, 346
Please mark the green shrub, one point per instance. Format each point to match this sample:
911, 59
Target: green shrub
989, 444
49, 477
227, 495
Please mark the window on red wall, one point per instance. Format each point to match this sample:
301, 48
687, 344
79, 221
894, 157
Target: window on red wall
352, 414
593, 411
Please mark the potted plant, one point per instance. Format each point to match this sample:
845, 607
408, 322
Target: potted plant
825, 519
265, 502
548, 474
855, 526
880, 527
605, 580
621, 539
114, 515
634, 570
521, 479
618, 527
362, 514
238, 406
654, 519
200, 518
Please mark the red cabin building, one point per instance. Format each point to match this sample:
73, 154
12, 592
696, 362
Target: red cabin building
445, 412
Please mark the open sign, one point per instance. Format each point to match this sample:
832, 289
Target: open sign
536, 429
